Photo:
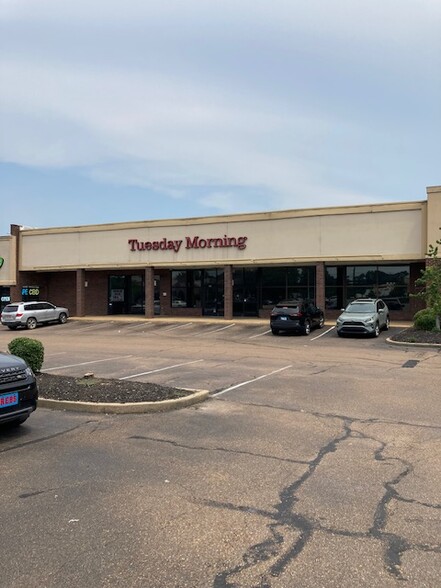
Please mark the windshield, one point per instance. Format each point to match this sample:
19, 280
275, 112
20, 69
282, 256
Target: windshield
360, 307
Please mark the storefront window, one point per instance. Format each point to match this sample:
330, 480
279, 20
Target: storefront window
346, 283
285, 283
179, 288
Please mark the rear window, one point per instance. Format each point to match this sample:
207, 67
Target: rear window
11, 308
291, 306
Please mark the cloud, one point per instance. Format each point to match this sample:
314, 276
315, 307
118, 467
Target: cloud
270, 104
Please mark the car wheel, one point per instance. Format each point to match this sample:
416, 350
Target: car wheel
387, 324
339, 334
62, 318
274, 331
321, 322
12, 328
307, 328
376, 332
31, 323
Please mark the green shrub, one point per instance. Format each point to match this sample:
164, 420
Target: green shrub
31, 350
425, 320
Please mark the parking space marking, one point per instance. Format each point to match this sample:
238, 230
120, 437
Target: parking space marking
95, 326
137, 326
260, 334
53, 354
321, 334
176, 327
169, 367
62, 367
215, 330
251, 381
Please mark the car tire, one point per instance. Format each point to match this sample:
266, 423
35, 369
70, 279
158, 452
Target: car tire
31, 323
321, 322
376, 332
307, 328
340, 334
12, 328
62, 318
387, 324
274, 331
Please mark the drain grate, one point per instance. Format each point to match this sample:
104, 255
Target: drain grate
410, 363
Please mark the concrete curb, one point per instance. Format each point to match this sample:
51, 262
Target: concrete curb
408, 344
127, 407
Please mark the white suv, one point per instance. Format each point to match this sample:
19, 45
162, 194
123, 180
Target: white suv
30, 314
364, 316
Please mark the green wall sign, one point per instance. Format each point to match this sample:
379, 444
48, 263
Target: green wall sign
1, 261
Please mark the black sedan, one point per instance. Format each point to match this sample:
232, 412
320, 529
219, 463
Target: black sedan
297, 316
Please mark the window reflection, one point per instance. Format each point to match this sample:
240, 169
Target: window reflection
346, 283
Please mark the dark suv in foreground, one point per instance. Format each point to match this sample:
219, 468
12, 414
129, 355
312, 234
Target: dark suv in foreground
18, 390
296, 316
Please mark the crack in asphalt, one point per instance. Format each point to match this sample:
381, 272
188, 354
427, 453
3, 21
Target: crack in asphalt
274, 550
46, 438
394, 545
221, 449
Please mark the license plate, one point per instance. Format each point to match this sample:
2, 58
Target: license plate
283, 318
8, 399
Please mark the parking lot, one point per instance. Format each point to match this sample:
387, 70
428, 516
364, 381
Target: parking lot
316, 461
211, 355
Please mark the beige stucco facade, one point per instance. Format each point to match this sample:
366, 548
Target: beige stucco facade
8, 264
327, 247
382, 232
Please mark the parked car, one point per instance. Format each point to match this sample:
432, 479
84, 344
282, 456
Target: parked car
365, 316
30, 314
18, 390
296, 316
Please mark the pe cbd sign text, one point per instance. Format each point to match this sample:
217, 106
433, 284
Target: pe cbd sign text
197, 242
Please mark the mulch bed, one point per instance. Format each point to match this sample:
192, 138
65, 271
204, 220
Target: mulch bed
412, 335
92, 389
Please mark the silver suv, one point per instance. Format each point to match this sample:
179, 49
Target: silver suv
30, 314
365, 316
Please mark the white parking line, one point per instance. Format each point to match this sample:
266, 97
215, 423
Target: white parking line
94, 327
215, 330
137, 326
321, 334
260, 334
177, 327
61, 367
170, 367
251, 381
53, 354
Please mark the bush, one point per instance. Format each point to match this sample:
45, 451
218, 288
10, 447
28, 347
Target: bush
425, 320
31, 350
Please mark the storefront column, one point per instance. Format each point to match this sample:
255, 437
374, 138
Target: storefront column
149, 294
228, 292
80, 292
320, 284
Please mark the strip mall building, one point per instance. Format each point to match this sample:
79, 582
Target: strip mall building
235, 265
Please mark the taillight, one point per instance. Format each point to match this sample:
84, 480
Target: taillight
19, 315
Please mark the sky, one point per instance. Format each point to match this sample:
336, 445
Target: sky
117, 111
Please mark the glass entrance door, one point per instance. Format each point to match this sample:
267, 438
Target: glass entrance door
245, 292
126, 295
213, 292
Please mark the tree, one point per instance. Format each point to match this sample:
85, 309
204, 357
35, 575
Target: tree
430, 281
